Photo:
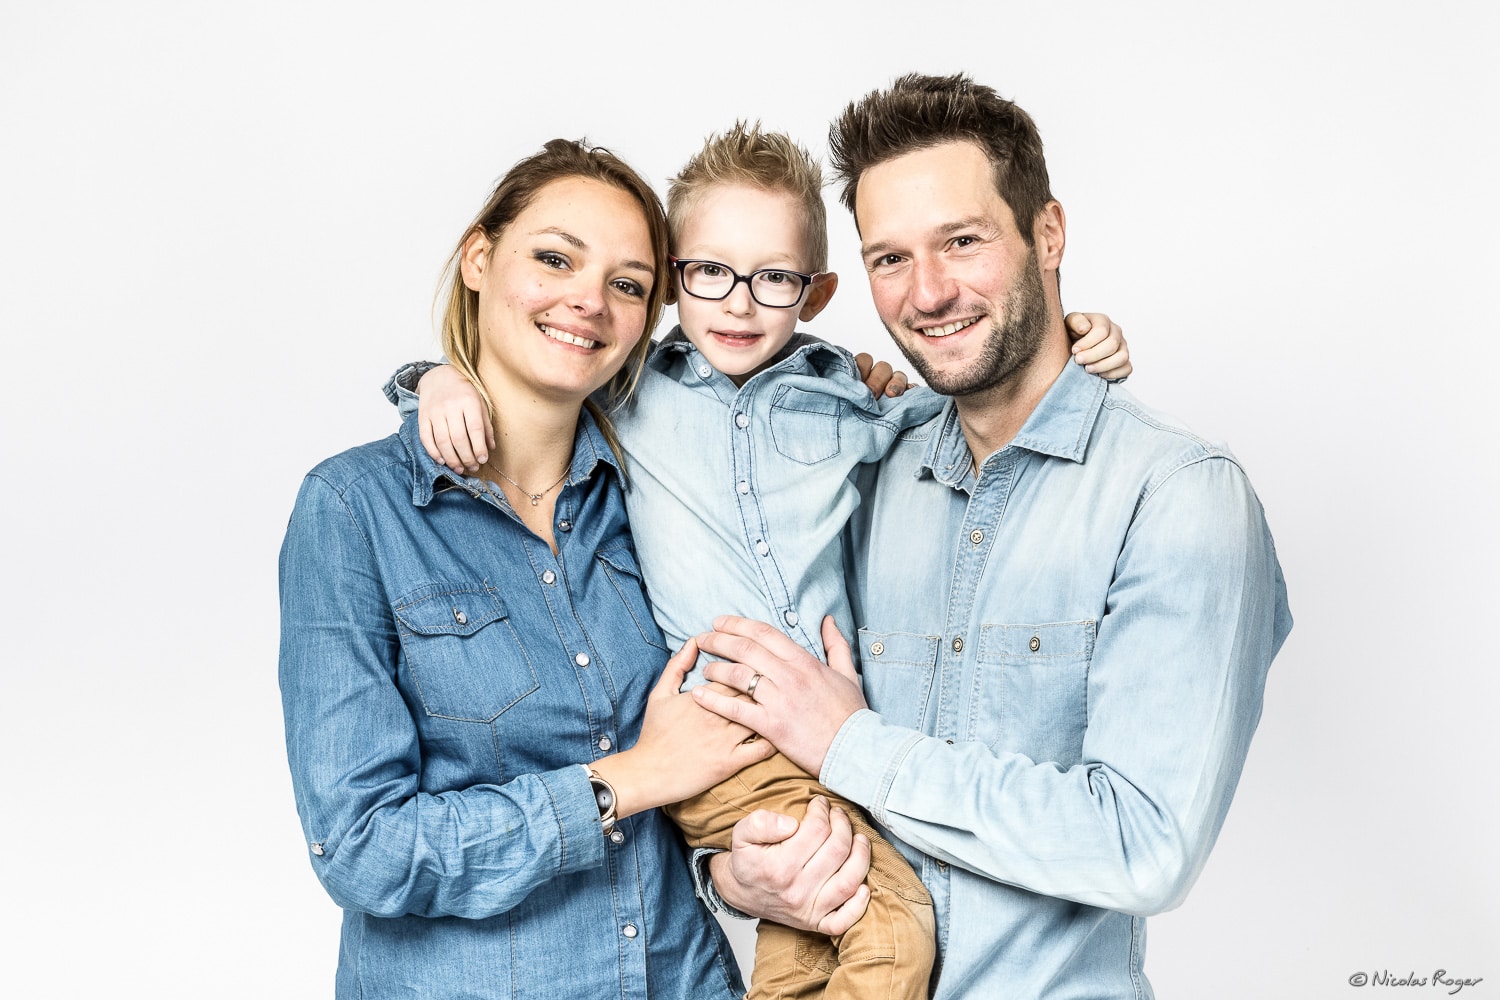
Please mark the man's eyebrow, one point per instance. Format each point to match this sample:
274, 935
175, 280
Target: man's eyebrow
946, 229
573, 241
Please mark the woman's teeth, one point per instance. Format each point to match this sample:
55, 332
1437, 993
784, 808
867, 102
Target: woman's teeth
567, 338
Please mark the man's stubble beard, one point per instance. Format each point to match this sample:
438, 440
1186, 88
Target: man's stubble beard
1009, 348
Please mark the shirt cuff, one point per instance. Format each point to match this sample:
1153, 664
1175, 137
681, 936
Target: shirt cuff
405, 380
580, 835
703, 884
862, 762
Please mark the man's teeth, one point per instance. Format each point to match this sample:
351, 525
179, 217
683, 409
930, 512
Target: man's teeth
950, 329
567, 338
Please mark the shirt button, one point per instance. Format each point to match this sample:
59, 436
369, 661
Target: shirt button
704, 371
762, 548
460, 617
744, 487
1036, 643
958, 644
604, 743
564, 525
876, 648
791, 619
549, 577
942, 866
582, 659
617, 837
316, 848
741, 421
976, 536
949, 742
629, 930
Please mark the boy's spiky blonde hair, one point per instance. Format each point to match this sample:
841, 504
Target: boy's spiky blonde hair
746, 155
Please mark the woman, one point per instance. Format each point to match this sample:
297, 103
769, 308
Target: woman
463, 659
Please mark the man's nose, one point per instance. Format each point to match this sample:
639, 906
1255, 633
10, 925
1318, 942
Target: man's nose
931, 286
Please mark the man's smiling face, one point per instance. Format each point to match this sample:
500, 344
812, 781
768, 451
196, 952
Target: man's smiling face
953, 280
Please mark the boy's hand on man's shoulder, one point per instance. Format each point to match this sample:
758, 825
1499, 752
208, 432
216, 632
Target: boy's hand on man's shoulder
880, 377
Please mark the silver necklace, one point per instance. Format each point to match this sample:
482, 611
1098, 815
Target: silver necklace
535, 498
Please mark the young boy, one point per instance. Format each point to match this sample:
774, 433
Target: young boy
739, 445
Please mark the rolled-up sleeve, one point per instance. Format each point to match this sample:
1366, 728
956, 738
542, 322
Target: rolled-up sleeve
1196, 612
378, 843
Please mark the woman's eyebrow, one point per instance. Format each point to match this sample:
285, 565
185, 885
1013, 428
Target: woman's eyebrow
574, 241
563, 235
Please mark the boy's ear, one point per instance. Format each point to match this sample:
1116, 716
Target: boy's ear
823, 287
474, 259
670, 299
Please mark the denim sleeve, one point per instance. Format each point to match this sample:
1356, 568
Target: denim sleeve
401, 389
378, 843
1193, 618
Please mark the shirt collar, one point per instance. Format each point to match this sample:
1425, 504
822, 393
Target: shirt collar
589, 449
1059, 426
801, 346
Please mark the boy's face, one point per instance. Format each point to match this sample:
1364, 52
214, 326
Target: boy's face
746, 229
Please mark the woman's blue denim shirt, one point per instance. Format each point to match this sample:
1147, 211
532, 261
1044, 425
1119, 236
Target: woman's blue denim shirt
445, 680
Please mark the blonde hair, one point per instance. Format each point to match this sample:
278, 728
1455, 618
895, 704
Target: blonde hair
559, 159
770, 160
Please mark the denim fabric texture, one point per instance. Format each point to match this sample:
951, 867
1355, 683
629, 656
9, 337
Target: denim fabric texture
738, 496
1064, 658
446, 679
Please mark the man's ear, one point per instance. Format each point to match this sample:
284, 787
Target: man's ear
474, 258
1049, 236
823, 287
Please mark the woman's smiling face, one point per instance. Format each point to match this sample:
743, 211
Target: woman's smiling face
563, 292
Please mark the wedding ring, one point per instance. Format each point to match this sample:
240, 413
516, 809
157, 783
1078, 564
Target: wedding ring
751, 689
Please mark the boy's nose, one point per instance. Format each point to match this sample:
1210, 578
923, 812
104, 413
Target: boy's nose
738, 301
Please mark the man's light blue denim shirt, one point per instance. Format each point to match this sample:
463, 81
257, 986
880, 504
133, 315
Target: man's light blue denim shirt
1064, 658
446, 679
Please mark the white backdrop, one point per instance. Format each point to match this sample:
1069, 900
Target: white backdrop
221, 228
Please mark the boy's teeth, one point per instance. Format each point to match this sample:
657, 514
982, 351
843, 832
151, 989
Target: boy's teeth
948, 330
567, 338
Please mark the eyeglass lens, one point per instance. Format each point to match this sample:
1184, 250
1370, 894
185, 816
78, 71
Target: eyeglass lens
715, 281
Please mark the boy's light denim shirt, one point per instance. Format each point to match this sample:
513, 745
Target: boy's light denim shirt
445, 680
1065, 658
738, 496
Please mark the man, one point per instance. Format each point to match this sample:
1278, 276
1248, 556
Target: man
1066, 604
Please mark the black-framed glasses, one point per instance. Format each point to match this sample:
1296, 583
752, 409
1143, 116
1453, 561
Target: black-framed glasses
773, 287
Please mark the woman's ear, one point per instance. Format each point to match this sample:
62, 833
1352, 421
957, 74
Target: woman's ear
823, 287
474, 259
